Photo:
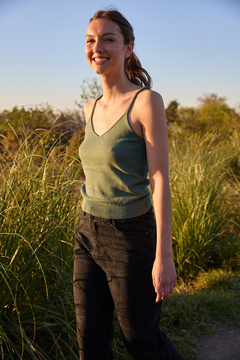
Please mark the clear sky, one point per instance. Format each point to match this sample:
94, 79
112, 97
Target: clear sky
189, 47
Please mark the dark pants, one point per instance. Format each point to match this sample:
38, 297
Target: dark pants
112, 267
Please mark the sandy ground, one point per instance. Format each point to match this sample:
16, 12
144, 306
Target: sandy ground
223, 344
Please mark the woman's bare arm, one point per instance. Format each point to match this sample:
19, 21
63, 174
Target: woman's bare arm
153, 120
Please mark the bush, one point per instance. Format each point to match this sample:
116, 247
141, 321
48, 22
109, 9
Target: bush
205, 223
40, 179
39, 210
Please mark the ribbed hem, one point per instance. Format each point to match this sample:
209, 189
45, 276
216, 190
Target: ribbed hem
117, 212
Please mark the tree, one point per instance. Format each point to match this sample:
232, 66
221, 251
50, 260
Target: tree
172, 112
90, 89
211, 115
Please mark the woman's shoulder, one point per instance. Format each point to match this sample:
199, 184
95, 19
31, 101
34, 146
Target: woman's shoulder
88, 108
150, 97
149, 102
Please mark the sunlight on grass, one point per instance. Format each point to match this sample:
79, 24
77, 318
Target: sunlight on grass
40, 178
204, 189
38, 215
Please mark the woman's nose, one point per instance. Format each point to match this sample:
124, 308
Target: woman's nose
97, 46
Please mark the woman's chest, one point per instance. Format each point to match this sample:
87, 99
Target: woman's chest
105, 119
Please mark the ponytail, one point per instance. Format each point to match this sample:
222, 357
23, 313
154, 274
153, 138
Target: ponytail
135, 73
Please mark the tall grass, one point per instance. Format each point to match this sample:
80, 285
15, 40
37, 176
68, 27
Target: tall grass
39, 209
205, 194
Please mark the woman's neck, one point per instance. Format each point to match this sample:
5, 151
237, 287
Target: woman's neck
114, 88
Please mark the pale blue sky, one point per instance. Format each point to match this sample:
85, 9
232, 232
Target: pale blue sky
189, 47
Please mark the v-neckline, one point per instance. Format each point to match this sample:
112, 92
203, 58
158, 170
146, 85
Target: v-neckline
97, 135
126, 111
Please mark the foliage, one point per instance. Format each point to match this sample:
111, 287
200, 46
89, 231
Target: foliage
90, 89
212, 115
40, 178
205, 192
19, 122
39, 209
172, 112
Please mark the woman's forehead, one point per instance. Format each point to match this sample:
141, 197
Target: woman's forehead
103, 26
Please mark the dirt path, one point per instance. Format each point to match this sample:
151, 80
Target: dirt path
223, 344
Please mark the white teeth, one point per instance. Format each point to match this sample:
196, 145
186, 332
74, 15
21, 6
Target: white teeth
100, 59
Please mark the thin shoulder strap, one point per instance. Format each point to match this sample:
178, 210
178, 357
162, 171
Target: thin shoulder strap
134, 97
94, 105
129, 106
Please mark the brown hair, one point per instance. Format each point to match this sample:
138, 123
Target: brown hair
133, 68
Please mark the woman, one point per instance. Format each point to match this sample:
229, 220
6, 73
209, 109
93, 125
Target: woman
123, 258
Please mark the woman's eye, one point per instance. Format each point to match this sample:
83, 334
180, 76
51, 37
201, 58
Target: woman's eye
89, 41
108, 39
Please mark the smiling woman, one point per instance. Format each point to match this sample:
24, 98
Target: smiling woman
105, 46
122, 258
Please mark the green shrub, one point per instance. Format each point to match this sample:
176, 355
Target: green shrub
39, 210
40, 179
205, 223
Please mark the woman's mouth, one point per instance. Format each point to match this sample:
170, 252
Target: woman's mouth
100, 59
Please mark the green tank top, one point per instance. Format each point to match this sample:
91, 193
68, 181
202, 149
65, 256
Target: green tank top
116, 170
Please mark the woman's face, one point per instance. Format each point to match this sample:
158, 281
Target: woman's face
105, 49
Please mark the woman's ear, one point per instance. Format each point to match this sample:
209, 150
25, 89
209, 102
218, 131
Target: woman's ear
129, 49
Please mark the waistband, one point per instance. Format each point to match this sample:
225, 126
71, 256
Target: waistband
114, 221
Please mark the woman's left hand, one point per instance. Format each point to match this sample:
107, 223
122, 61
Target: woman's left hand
164, 277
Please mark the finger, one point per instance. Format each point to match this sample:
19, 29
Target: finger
166, 291
159, 293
